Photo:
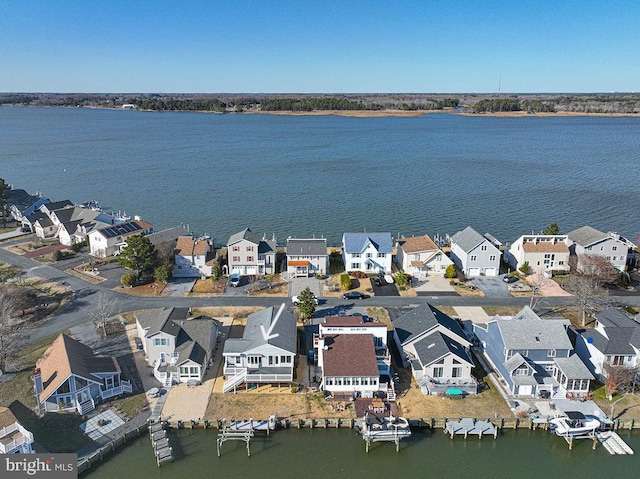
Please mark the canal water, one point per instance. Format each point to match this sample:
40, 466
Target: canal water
340, 453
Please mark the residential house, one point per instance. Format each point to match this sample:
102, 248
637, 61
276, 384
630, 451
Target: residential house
52, 206
475, 254
265, 354
69, 377
368, 252
193, 258
14, 438
22, 204
543, 253
168, 236
420, 257
613, 247
177, 346
307, 257
108, 241
437, 350
74, 223
615, 341
353, 358
534, 357
250, 254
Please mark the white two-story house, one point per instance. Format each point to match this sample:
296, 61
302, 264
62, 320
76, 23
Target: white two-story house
108, 241
613, 247
307, 257
541, 252
193, 258
368, 252
420, 257
475, 254
250, 254
352, 357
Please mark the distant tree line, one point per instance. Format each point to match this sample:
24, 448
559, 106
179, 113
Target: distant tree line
314, 104
180, 104
497, 105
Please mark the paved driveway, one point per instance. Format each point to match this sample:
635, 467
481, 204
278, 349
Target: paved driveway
296, 285
492, 287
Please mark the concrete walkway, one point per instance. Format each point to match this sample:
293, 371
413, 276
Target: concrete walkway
12, 234
475, 314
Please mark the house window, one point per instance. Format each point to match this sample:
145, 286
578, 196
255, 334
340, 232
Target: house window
507, 353
355, 255
355, 265
492, 257
382, 255
161, 342
522, 370
249, 248
438, 372
249, 259
551, 353
368, 255
483, 247
235, 248
549, 368
614, 248
473, 257
438, 256
254, 360
617, 360
456, 372
236, 259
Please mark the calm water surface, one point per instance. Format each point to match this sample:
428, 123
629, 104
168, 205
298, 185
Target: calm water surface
330, 453
309, 175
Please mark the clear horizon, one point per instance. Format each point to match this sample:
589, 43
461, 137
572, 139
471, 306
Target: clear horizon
333, 47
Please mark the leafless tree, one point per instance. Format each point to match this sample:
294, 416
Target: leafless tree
166, 250
12, 334
588, 294
619, 379
537, 282
597, 268
103, 309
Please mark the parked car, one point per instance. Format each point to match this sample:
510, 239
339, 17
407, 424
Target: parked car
507, 278
355, 295
295, 301
376, 281
234, 280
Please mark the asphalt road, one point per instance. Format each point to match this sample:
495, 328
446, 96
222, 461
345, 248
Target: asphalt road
78, 311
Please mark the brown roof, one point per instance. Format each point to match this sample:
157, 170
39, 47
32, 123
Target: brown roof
6, 417
417, 243
349, 355
348, 321
298, 263
66, 356
186, 245
545, 247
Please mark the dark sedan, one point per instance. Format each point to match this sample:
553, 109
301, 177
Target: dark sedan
507, 278
355, 295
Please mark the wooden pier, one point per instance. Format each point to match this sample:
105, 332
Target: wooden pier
161, 447
243, 431
613, 443
468, 426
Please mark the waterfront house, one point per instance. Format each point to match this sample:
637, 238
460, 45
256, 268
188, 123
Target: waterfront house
613, 247
14, 438
307, 257
69, 377
532, 356
368, 252
108, 241
250, 254
167, 236
22, 204
437, 350
265, 354
177, 346
614, 341
50, 207
353, 358
420, 257
543, 253
193, 258
475, 254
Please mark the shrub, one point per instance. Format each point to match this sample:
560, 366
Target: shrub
128, 280
450, 272
525, 268
77, 247
402, 279
452, 282
58, 255
345, 282
163, 272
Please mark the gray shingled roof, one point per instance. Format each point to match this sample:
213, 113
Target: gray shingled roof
307, 247
264, 245
169, 234
437, 345
527, 331
420, 320
586, 235
622, 333
573, 367
357, 242
467, 239
252, 336
514, 362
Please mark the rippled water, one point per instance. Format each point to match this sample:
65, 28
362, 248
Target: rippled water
310, 175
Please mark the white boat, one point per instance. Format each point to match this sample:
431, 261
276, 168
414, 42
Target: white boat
376, 427
574, 424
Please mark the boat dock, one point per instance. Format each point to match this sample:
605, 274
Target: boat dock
243, 431
468, 426
161, 447
384, 429
613, 443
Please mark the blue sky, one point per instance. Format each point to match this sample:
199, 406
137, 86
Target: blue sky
319, 46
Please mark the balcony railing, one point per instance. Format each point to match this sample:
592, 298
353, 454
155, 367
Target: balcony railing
25, 438
125, 387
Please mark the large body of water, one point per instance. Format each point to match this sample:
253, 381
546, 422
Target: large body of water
324, 175
331, 453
